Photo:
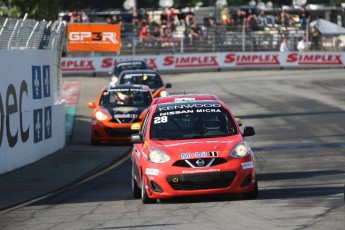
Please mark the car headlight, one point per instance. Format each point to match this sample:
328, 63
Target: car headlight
158, 156
163, 94
101, 116
114, 79
240, 150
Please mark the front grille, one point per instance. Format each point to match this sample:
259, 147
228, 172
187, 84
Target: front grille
119, 132
201, 181
184, 163
124, 120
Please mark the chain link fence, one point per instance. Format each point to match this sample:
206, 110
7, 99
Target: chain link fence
213, 39
28, 34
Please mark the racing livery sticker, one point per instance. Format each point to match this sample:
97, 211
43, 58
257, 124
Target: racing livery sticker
248, 165
199, 155
199, 171
150, 171
125, 115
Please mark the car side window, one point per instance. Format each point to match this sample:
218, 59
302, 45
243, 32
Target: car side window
144, 127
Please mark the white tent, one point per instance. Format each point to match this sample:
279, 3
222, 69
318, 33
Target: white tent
332, 35
327, 28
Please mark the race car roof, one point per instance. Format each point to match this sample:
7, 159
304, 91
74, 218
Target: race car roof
130, 62
126, 86
139, 72
205, 104
184, 98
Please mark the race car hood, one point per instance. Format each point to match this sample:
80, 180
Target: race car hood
124, 114
208, 146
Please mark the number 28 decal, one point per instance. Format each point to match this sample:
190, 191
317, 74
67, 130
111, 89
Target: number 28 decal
162, 119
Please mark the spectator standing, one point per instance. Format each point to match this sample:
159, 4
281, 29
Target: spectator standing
144, 34
75, 16
172, 15
108, 20
164, 17
302, 44
240, 17
84, 17
115, 20
66, 17
315, 39
253, 22
262, 18
303, 16
226, 17
195, 33
135, 18
156, 36
285, 18
145, 18
285, 45
190, 14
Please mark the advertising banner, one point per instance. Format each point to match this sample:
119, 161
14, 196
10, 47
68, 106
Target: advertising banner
228, 60
93, 37
30, 123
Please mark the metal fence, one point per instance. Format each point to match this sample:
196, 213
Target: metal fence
216, 39
28, 34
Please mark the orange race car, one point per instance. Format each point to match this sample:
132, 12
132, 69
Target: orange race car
151, 78
117, 108
190, 148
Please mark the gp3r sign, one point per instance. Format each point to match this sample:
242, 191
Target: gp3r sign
93, 37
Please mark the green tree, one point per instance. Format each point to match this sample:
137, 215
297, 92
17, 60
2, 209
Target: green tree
36, 9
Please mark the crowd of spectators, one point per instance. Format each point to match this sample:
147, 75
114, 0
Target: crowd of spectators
76, 17
173, 24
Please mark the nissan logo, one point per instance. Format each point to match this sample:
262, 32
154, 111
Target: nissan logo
200, 162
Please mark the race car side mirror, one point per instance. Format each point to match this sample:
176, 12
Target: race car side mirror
248, 131
136, 138
91, 105
168, 85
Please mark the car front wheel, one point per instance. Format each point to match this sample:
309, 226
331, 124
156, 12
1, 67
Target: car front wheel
253, 194
135, 188
144, 198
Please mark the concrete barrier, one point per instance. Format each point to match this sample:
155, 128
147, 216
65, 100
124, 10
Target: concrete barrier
32, 125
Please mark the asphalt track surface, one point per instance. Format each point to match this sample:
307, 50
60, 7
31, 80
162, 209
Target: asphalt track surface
300, 157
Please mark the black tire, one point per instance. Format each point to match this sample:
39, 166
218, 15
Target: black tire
94, 142
253, 194
144, 198
135, 188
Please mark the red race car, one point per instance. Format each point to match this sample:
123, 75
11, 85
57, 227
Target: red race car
191, 148
117, 108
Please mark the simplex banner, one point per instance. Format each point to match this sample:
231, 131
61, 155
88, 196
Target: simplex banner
209, 61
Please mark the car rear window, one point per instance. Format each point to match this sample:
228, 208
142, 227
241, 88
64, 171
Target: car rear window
152, 80
136, 97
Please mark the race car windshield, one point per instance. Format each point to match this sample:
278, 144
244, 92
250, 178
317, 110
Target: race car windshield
129, 66
151, 80
127, 97
192, 124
